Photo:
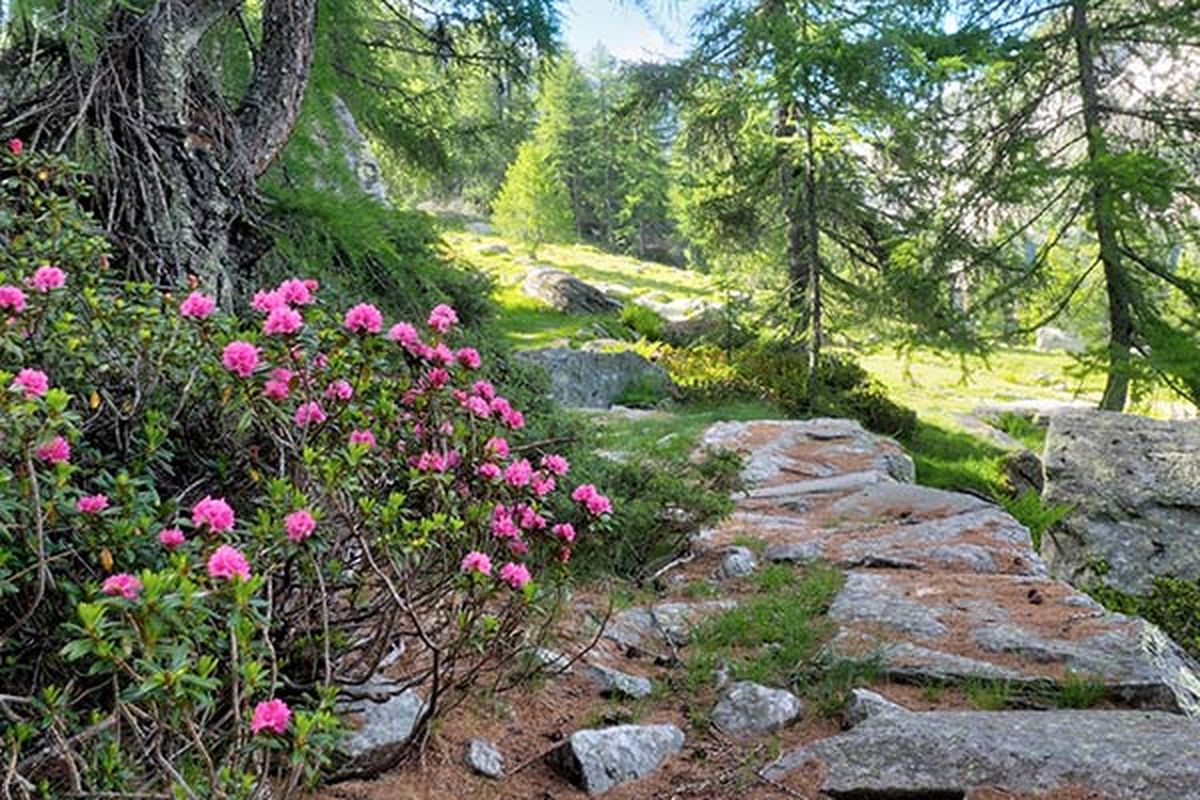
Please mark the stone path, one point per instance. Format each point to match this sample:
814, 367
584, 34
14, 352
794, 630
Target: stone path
943, 588
946, 587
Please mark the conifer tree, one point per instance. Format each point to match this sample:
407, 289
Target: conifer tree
533, 206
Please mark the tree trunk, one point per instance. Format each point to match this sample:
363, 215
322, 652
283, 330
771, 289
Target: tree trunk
793, 213
181, 166
1120, 298
812, 245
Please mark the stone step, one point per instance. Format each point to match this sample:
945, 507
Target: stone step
1024, 629
1118, 755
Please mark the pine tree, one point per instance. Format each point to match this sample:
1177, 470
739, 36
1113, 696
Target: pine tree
533, 206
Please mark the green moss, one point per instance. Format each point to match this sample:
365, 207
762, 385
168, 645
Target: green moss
1173, 604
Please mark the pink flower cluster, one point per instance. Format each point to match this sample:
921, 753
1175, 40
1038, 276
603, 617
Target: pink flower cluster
364, 318
272, 716
55, 451
596, 503
240, 358
33, 382
122, 585
47, 279
92, 503
214, 513
228, 563
299, 525
197, 306
12, 298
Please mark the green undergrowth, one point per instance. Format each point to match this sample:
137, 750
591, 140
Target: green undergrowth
1076, 691
775, 637
1173, 604
958, 461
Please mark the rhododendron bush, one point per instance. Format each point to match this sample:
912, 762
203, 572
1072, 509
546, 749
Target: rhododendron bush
210, 527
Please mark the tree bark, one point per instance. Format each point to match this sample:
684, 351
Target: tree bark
1103, 207
793, 214
812, 250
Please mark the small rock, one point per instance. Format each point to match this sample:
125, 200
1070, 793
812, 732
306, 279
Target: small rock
863, 704
1024, 472
495, 249
552, 660
1051, 339
596, 760
738, 563
749, 709
564, 292
614, 683
483, 757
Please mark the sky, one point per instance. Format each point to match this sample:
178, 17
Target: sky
627, 32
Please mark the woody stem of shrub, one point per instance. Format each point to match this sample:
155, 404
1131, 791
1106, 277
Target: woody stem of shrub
42, 566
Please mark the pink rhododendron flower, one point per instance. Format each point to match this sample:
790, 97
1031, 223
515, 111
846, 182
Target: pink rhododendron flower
484, 389
240, 358
215, 513
122, 585
16, 146
47, 279
264, 302
320, 361
476, 561
55, 451
299, 525
497, 447
364, 437
436, 378
517, 547
555, 464
503, 525
364, 318
442, 354
339, 390
33, 382
564, 531
488, 472
405, 334
468, 357
442, 318
277, 389
272, 716
514, 419
564, 555
478, 406
542, 485
515, 575
171, 538
92, 503
596, 503
429, 461
530, 520
197, 306
282, 321
12, 298
228, 563
518, 473
309, 413
296, 292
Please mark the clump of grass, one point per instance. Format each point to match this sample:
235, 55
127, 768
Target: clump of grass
830, 683
773, 637
1021, 428
1079, 691
988, 695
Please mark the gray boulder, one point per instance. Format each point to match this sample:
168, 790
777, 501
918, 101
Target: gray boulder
862, 704
748, 709
483, 757
597, 760
1120, 755
564, 292
381, 725
1051, 339
1135, 486
737, 563
596, 380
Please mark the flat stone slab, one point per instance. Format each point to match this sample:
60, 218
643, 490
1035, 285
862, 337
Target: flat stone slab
597, 760
961, 626
787, 450
615, 683
1122, 755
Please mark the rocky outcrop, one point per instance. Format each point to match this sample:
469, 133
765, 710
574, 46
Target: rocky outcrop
1023, 471
615, 683
1134, 484
596, 380
597, 760
737, 563
1118, 755
747, 709
562, 291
